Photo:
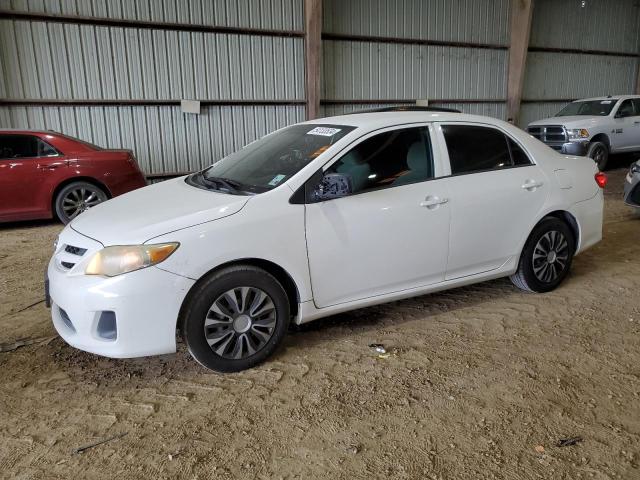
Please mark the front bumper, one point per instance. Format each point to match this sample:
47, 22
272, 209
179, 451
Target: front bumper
631, 194
131, 315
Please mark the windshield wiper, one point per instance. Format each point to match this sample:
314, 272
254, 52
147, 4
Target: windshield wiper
226, 183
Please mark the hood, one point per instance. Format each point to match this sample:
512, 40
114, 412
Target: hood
137, 216
571, 121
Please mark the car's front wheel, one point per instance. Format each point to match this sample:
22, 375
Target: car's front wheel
546, 258
77, 197
235, 318
599, 152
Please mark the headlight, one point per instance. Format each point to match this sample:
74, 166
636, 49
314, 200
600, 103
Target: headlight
112, 261
577, 133
635, 168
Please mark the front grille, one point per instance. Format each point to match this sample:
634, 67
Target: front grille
75, 250
549, 133
67, 265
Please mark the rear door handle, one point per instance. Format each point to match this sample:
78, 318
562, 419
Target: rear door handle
51, 166
432, 202
531, 185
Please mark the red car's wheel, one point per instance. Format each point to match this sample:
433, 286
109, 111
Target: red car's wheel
77, 197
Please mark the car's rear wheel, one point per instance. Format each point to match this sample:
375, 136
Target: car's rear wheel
599, 152
77, 197
235, 318
546, 258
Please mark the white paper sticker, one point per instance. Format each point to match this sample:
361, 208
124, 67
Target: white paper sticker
605, 102
276, 180
324, 131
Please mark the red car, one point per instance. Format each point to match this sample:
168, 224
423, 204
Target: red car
44, 173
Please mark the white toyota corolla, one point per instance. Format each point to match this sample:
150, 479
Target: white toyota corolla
315, 219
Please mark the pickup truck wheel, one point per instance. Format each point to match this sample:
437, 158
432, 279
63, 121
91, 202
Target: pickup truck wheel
235, 318
77, 197
600, 154
546, 257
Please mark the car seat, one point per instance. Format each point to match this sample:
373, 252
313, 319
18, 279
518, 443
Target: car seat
359, 172
419, 166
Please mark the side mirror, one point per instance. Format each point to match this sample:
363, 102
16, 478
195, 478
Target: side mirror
332, 185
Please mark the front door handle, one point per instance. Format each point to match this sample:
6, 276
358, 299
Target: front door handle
432, 202
51, 166
531, 185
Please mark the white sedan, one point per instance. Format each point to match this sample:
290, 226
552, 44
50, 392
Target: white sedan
319, 218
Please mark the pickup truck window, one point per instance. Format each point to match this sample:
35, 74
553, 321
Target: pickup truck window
625, 110
588, 108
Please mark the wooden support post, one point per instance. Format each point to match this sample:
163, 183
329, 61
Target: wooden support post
521, 13
313, 55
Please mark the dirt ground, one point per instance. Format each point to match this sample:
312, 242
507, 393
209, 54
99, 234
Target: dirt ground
483, 382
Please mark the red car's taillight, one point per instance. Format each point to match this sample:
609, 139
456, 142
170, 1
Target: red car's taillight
601, 179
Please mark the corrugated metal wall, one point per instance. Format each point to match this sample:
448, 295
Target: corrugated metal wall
374, 52
163, 138
49, 60
373, 70
267, 14
600, 25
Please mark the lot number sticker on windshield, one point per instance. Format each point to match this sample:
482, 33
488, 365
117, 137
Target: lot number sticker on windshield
276, 180
324, 131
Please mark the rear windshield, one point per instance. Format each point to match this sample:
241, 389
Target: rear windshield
271, 160
590, 108
77, 140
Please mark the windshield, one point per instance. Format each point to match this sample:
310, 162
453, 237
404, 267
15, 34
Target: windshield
591, 108
271, 160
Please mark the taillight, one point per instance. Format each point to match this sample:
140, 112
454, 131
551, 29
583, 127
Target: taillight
601, 179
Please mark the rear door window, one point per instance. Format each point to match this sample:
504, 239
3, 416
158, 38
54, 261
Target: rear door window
474, 148
24, 146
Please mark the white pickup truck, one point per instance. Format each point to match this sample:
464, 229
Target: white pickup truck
593, 127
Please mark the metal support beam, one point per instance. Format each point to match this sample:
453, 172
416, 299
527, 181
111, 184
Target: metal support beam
521, 14
638, 79
313, 55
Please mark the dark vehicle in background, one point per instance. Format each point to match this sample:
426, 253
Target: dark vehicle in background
632, 187
45, 173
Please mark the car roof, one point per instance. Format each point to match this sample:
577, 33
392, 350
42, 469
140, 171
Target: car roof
26, 130
609, 97
373, 120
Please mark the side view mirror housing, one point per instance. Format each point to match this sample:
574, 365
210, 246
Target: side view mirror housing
332, 185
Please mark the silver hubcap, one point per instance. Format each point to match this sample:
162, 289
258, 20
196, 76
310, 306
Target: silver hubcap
240, 322
77, 201
550, 256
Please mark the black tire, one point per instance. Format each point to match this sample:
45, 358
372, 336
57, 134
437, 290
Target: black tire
532, 275
199, 306
599, 152
77, 197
